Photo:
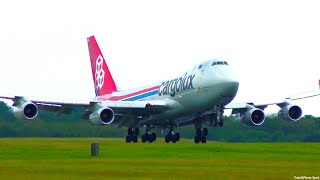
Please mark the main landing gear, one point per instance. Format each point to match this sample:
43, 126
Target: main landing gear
148, 136
132, 135
173, 137
201, 135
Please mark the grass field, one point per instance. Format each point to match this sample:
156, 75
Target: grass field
69, 158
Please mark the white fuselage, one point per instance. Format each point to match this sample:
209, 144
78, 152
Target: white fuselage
205, 86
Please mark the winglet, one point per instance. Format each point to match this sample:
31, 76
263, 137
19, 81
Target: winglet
103, 81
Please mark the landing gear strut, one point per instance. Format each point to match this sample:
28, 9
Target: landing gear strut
218, 122
218, 118
201, 135
132, 135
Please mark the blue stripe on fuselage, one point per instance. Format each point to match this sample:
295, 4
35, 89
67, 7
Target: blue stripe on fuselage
142, 96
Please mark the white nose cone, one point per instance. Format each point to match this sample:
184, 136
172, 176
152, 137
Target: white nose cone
229, 83
230, 86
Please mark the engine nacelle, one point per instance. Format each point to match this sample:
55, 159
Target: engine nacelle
26, 111
102, 116
253, 117
290, 112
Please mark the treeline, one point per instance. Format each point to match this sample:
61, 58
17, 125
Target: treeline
49, 125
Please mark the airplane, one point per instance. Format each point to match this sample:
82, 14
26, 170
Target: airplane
198, 97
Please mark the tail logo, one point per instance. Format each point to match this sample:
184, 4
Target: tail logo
99, 75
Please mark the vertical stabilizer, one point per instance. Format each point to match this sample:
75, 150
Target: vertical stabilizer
102, 78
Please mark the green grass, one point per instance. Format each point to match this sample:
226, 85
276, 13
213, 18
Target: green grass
69, 158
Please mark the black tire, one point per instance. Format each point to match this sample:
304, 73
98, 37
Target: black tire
128, 139
150, 138
130, 132
144, 138
136, 131
175, 138
203, 139
134, 139
153, 137
196, 139
167, 138
205, 131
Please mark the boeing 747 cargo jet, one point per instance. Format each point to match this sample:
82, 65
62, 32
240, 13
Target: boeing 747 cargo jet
199, 96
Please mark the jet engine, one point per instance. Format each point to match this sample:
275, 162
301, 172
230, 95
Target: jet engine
253, 117
102, 116
290, 112
25, 111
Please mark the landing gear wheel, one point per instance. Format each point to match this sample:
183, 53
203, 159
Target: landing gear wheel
175, 138
130, 131
152, 137
168, 138
201, 135
134, 139
144, 138
128, 139
197, 139
204, 139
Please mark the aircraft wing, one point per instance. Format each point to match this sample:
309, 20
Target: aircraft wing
252, 114
278, 102
121, 109
86, 103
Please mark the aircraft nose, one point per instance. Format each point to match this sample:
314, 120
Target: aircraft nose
231, 85
232, 81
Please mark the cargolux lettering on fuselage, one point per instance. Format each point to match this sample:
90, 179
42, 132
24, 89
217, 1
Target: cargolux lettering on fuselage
176, 85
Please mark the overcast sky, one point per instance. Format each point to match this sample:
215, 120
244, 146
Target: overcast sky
273, 46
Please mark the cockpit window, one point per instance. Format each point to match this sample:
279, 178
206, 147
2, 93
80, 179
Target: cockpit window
200, 66
219, 63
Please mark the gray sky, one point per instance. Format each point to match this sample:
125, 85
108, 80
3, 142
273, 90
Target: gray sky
272, 46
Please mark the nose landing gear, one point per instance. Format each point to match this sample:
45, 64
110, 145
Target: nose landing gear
217, 118
218, 122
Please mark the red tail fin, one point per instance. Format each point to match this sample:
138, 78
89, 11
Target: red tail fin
103, 81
